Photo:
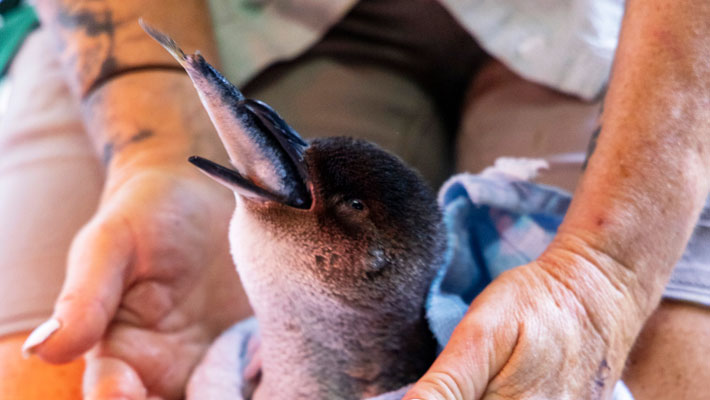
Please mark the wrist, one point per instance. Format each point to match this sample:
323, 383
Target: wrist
148, 119
608, 292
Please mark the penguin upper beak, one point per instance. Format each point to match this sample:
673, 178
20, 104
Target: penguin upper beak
267, 153
274, 153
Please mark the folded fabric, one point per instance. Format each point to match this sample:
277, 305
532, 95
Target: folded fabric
495, 220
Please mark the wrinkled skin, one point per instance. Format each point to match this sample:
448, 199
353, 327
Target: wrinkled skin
525, 318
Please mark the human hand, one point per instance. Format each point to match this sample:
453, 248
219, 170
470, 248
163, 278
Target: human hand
149, 285
150, 281
557, 328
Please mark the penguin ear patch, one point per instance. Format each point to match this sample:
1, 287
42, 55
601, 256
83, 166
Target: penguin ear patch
378, 261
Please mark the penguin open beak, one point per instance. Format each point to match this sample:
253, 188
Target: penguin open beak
267, 153
272, 153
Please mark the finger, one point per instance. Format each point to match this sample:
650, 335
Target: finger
90, 296
452, 376
107, 378
470, 359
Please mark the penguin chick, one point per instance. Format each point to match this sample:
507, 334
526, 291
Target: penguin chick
336, 243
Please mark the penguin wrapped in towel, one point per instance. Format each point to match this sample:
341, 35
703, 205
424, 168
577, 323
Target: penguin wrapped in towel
337, 243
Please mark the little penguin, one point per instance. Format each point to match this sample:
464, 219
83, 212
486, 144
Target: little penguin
336, 242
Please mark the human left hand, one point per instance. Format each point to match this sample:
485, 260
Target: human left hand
553, 329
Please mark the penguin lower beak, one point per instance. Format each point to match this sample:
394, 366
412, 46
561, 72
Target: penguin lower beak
274, 153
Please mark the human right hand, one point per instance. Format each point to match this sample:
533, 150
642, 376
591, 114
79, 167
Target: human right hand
150, 281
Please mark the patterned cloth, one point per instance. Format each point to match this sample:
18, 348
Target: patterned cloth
496, 222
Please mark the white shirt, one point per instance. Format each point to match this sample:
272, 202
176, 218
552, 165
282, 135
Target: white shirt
567, 45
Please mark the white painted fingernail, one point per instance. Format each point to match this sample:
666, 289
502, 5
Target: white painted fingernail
39, 335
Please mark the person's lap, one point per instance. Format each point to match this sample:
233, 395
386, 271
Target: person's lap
670, 357
505, 115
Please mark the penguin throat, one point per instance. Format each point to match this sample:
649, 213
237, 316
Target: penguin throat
340, 355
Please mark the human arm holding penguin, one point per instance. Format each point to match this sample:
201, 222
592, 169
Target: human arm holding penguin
562, 326
149, 275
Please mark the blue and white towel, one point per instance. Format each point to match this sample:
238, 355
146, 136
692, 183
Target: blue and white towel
496, 221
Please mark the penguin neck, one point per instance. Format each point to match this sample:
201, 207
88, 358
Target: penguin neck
339, 353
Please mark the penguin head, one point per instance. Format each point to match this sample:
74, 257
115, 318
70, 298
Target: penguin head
358, 229
337, 226
372, 237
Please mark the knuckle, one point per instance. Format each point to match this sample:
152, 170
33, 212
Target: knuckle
440, 385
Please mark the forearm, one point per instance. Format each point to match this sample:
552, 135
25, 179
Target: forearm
138, 105
648, 178
100, 39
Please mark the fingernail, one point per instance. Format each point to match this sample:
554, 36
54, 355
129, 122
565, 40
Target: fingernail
39, 335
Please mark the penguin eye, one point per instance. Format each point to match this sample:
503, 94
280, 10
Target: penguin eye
357, 204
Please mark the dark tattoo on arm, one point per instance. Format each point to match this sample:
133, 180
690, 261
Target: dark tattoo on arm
600, 380
92, 23
592, 144
88, 32
113, 147
595, 134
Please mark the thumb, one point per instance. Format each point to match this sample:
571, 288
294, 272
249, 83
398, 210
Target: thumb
465, 366
98, 260
447, 379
